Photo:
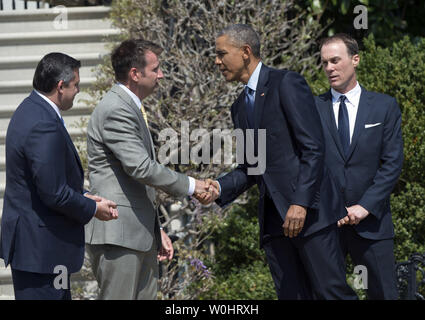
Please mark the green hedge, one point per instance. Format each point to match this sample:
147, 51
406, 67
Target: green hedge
239, 265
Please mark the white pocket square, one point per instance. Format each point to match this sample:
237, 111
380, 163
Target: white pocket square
372, 125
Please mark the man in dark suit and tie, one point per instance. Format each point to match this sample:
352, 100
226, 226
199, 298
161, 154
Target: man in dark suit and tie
44, 211
364, 152
297, 208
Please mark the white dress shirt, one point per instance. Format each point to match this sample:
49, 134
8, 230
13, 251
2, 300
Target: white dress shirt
253, 79
352, 103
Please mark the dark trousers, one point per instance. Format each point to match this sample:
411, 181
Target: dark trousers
38, 286
378, 257
304, 268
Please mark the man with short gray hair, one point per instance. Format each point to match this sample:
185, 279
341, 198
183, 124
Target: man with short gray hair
297, 206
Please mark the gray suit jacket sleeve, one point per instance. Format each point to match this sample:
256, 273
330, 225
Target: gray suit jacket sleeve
122, 135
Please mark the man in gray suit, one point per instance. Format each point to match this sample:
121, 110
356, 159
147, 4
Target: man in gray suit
123, 168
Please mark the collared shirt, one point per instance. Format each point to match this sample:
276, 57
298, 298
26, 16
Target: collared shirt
253, 79
352, 103
135, 98
51, 103
138, 102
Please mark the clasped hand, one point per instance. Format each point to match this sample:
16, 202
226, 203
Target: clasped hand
355, 214
206, 191
105, 209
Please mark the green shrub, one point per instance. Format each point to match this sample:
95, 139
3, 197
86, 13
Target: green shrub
239, 265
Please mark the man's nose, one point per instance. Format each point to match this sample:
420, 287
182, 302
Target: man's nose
217, 61
160, 74
329, 67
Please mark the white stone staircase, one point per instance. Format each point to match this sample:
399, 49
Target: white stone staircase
25, 37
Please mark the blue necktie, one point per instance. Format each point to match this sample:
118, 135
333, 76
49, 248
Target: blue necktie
343, 125
249, 102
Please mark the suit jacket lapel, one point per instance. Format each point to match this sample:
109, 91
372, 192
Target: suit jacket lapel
329, 117
71, 144
362, 114
129, 101
260, 95
240, 109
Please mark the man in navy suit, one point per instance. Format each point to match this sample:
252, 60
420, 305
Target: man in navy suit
297, 209
364, 152
44, 211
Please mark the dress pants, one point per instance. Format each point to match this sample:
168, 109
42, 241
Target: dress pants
378, 257
124, 274
304, 268
38, 286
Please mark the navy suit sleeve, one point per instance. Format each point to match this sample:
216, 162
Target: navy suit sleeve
298, 105
46, 153
391, 163
234, 184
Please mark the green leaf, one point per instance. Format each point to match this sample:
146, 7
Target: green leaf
344, 6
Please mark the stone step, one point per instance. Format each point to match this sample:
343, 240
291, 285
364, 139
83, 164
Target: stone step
77, 109
22, 86
18, 74
78, 18
13, 62
72, 45
33, 14
6, 284
56, 36
15, 98
5, 274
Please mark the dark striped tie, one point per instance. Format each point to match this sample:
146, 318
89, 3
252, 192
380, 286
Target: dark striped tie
249, 103
343, 125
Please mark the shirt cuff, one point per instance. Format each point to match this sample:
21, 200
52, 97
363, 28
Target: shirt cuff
192, 185
219, 188
95, 209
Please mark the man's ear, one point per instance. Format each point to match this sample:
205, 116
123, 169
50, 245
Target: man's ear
133, 74
355, 60
246, 51
60, 85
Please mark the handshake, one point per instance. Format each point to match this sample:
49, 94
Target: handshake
206, 191
105, 209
